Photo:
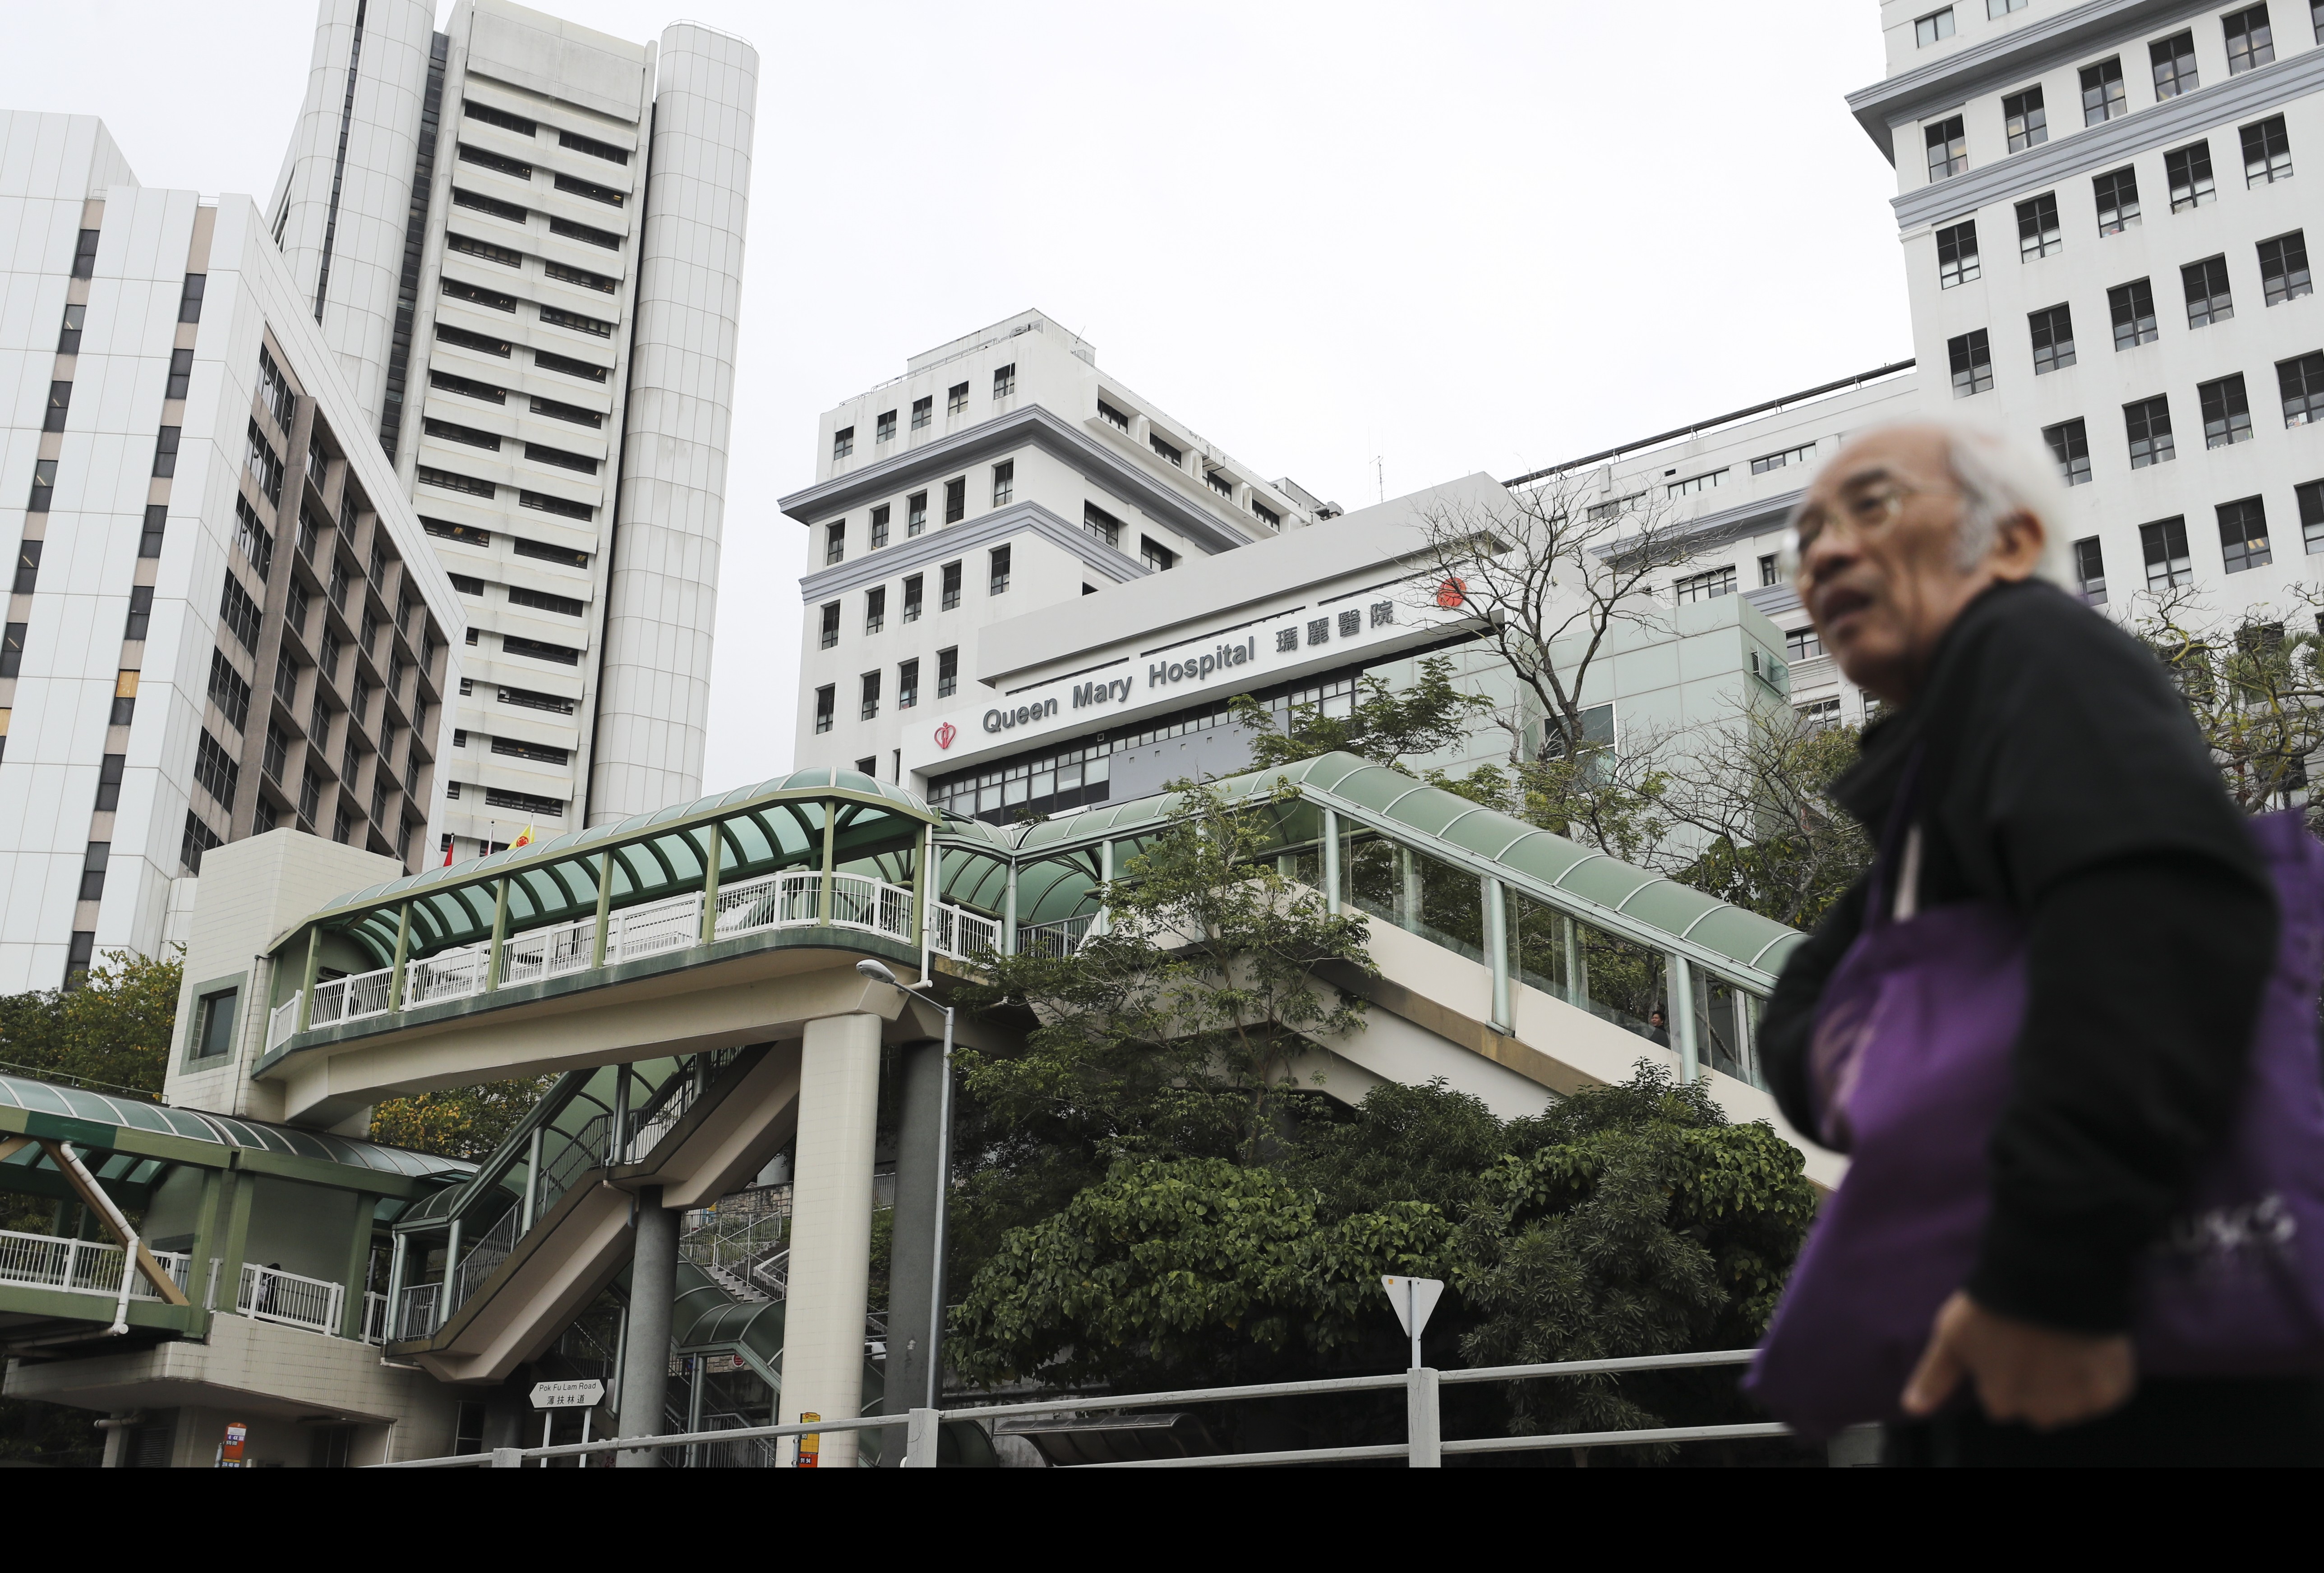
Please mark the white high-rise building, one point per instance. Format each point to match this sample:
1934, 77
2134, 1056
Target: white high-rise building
1001, 473
225, 617
523, 240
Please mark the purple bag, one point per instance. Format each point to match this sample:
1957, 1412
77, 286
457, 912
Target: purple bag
1910, 1059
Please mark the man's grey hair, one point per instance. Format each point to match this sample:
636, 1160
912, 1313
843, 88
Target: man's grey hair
1999, 477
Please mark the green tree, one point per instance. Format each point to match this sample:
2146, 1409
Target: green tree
457, 1122
113, 1032
1386, 726
1757, 796
2255, 686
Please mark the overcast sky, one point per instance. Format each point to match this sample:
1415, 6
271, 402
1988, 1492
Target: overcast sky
1349, 243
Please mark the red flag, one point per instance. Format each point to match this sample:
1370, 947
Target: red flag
447, 852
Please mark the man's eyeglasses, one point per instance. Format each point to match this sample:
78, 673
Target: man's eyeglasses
1867, 508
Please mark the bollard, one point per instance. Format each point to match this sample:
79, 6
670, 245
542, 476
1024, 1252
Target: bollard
1423, 1423
920, 1440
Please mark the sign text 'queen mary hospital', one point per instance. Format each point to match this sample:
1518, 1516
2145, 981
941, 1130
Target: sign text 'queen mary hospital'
1115, 690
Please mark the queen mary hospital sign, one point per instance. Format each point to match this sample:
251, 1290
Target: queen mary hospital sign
1126, 687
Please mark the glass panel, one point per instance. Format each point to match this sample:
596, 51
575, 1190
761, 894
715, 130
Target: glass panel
1620, 981
1416, 892
1538, 936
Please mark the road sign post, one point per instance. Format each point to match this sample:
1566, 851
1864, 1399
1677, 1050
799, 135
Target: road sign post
1414, 1299
549, 1397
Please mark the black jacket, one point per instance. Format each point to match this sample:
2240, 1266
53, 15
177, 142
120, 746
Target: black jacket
2062, 775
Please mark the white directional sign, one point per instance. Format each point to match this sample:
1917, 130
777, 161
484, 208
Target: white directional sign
568, 1394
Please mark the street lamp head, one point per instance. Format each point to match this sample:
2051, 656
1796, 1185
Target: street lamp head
877, 971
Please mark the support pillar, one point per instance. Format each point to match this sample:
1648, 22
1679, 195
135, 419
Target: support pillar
912, 1343
831, 1227
653, 1285
1678, 1015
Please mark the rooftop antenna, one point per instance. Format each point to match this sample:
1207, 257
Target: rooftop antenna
1379, 470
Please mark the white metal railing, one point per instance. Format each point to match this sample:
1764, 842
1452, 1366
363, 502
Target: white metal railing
271, 1294
79, 1266
417, 1317
783, 900
374, 1321
549, 953
962, 935
1061, 937
1423, 1446
489, 1253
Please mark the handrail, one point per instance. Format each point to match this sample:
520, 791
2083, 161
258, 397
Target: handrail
1424, 1447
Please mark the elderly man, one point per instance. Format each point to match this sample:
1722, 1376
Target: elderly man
2059, 774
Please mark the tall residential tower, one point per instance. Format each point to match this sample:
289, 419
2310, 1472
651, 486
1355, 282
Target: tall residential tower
523, 242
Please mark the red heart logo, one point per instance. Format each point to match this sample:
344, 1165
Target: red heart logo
946, 733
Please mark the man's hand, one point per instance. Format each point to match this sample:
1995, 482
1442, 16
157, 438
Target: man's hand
2022, 1372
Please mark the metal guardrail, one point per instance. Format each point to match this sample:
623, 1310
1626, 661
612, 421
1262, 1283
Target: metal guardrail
93, 1267
1423, 1446
292, 1299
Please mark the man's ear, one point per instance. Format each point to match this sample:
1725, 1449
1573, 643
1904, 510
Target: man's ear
2019, 542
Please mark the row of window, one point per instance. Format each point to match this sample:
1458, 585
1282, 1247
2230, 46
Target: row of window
908, 688
2224, 406
2250, 40
530, 804
1938, 25
523, 126
2243, 543
470, 534
881, 521
998, 563
842, 441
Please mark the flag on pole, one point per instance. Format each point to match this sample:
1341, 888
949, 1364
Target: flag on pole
522, 840
447, 852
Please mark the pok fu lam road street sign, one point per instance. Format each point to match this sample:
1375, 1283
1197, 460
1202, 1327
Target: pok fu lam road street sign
568, 1395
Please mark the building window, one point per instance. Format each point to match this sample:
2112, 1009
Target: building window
1171, 454
880, 516
2037, 227
59, 402
871, 695
1156, 556
2133, 308
1804, 454
875, 609
834, 541
2148, 425
1221, 482
2283, 268
842, 443
908, 684
11, 654
2190, 172
2243, 535
923, 413
2070, 442
2025, 120
912, 599
2053, 339
2103, 97
947, 672
69, 335
2173, 60
2227, 413
1004, 381
884, 430
1004, 482
2164, 543
84, 265
2267, 152
830, 624
1948, 147
2089, 570
1694, 483
955, 501
956, 399
1972, 362
2311, 497
1112, 416
216, 771
1098, 522
1770, 571
826, 699
28, 566
2000, 8
189, 300
2301, 384
949, 588
1267, 516
2207, 300
2118, 200
2250, 40
915, 513
1933, 28
214, 1035
999, 571
1801, 644
1707, 586
1956, 255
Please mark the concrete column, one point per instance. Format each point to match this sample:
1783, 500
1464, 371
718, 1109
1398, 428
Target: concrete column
831, 1227
911, 1344
653, 1284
